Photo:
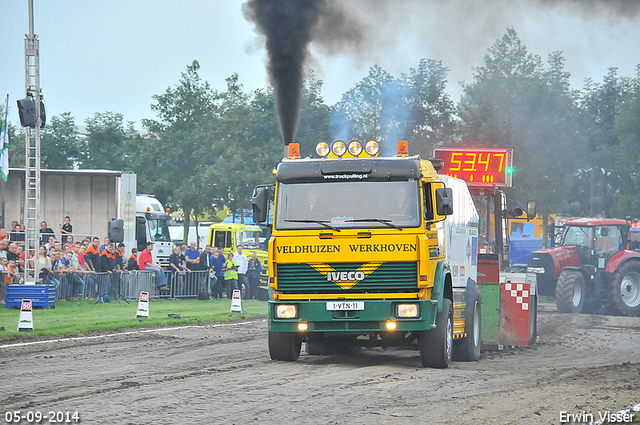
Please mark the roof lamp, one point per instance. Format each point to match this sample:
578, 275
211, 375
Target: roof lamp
322, 149
372, 148
355, 148
294, 151
339, 148
403, 148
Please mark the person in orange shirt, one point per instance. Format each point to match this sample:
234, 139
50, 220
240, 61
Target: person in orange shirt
145, 262
92, 257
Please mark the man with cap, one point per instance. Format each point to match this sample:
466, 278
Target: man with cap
145, 261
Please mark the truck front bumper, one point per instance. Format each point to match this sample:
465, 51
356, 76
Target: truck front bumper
372, 318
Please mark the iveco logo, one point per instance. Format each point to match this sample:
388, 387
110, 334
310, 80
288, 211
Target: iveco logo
336, 276
346, 280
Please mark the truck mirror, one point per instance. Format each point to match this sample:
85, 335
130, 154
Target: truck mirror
531, 209
141, 233
259, 204
444, 201
116, 230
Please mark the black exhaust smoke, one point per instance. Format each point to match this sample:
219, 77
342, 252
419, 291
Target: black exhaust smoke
288, 27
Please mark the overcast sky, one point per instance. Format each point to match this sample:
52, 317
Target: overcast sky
113, 55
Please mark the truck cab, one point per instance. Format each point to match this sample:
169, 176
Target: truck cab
148, 222
251, 237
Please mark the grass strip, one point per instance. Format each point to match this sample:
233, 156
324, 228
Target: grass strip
84, 317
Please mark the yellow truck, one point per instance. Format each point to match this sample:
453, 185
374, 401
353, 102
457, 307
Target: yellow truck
370, 251
228, 236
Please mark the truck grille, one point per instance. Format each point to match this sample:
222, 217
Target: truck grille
388, 277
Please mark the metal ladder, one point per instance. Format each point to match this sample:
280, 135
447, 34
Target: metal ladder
32, 156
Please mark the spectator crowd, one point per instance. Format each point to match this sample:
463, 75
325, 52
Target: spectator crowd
78, 264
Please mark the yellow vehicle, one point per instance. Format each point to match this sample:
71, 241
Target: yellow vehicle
229, 235
371, 251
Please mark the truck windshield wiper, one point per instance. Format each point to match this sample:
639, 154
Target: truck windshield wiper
379, 220
320, 222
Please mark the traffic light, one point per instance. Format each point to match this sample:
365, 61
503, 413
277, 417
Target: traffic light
27, 113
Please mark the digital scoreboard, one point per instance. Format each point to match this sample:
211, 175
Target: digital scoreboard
477, 167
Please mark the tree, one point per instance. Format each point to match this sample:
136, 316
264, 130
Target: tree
627, 155
368, 111
432, 112
600, 178
314, 117
515, 103
105, 142
60, 145
174, 160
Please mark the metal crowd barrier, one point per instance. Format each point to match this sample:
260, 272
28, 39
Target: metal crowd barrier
187, 285
129, 284
137, 281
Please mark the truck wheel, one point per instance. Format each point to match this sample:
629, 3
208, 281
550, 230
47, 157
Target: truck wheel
436, 345
468, 348
570, 292
284, 346
624, 289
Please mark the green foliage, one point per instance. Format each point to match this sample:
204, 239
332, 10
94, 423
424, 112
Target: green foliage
16, 146
514, 102
105, 142
626, 157
384, 108
432, 112
575, 152
60, 143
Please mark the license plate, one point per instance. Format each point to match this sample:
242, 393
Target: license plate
345, 305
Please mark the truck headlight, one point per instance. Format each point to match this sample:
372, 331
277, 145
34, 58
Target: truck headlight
407, 310
535, 269
286, 311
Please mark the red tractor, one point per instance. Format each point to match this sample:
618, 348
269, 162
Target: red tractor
592, 268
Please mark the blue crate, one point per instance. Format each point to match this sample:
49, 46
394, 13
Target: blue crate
40, 295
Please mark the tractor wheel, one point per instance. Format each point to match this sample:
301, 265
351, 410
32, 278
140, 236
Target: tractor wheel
570, 292
284, 346
468, 348
624, 289
436, 345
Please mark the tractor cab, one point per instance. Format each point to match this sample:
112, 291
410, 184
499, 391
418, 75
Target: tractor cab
595, 243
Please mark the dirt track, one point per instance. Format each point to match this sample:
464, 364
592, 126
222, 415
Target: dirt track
223, 374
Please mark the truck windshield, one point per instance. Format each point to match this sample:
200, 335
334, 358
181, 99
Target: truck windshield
362, 204
159, 230
251, 240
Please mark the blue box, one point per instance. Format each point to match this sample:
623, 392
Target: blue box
40, 295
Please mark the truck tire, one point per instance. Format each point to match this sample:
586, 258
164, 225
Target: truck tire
624, 289
570, 292
468, 348
436, 345
284, 346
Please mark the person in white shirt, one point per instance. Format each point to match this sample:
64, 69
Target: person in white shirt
243, 265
